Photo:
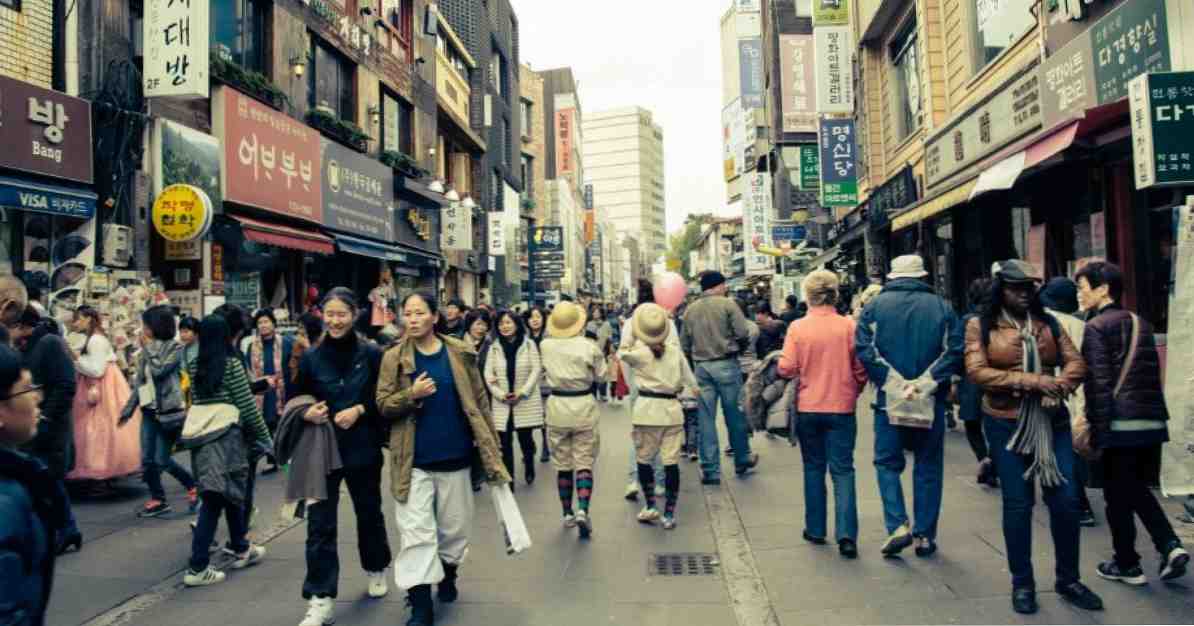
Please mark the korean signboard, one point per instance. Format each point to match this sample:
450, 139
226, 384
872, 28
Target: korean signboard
547, 251
182, 213
750, 72
44, 132
1162, 108
588, 196
177, 40
789, 233
798, 88
898, 192
831, 12
839, 175
456, 232
270, 160
496, 234
835, 73
358, 193
1011, 112
565, 130
748, 6
1066, 20
756, 222
733, 139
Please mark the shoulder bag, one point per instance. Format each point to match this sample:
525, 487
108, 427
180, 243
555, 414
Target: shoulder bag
1079, 425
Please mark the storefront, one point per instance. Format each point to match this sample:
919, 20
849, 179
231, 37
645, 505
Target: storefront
417, 225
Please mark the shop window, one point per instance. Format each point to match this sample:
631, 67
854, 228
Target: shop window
997, 24
906, 63
331, 83
397, 132
398, 20
238, 32
55, 252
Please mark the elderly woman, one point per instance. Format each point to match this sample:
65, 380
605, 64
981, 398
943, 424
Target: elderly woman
512, 373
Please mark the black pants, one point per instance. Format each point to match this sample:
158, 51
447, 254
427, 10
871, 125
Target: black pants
526, 442
205, 529
250, 488
976, 438
323, 561
1127, 473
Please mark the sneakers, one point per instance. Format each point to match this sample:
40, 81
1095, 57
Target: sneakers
816, 541
1128, 575
925, 547
692, 456
584, 524
751, 463
193, 499
848, 549
669, 522
1024, 601
986, 474
154, 508
1175, 561
900, 539
569, 520
648, 516
207, 577
660, 491
320, 612
378, 586
249, 557
1080, 596
1086, 518
632, 491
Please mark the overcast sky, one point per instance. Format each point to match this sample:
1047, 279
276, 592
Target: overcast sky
661, 55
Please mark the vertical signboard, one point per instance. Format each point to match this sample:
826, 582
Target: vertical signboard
750, 72
831, 12
798, 88
496, 234
835, 74
176, 40
1177, 469
810, 167
839, 175
565, 131
456, 228
1162, 109
756, 222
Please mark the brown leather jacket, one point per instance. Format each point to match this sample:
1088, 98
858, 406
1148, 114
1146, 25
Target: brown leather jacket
997, 368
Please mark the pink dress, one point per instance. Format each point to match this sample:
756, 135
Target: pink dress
103, 449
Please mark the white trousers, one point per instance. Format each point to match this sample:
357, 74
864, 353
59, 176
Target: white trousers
434, 523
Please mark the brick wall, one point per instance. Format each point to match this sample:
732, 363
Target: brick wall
26, 42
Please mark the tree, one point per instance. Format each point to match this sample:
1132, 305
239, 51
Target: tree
685, 240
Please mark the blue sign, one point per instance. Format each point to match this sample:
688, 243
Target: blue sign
750, 72
790, 232
43, 198
839, 175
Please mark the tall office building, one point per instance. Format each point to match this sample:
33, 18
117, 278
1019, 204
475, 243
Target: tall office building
623, 155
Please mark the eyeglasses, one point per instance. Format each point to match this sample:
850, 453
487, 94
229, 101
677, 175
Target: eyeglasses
23, 392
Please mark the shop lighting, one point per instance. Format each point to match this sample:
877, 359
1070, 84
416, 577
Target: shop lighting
468, 203
452, 196
436, 185
298, 65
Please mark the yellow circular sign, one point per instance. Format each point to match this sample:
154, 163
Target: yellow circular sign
182, 213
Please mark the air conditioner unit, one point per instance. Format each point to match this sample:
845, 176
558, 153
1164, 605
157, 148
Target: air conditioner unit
118, 245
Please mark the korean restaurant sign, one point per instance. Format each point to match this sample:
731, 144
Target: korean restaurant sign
44, 132
358, 193
182, 213
177, 41
798, 88
839, 164
270, 160
456, 228
835, 70
756, 222
831, 12
1162, 107
1012, 111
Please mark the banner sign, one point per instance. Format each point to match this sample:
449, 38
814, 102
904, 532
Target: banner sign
496, 234
177, 39
750, 72
756, 222
44, 132
835, 71
798, 88
831, 12
456, 228
358, 193
839, 175
565, 129
1162, 112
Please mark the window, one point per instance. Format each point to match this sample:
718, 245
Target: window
525, 110
495, 189
330, 83
15, 5
804, 8
996, 25
238, 32
528, 174
508, 141
906, 64
497, 73
448, 49
397, 130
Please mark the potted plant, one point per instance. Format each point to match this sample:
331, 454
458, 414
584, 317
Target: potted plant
528, 203
341, 130
252, 84
403, 163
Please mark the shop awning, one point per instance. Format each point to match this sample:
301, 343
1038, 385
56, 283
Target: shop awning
385, 251
932, 206
826, 257
47, 198
413, 191
284, 236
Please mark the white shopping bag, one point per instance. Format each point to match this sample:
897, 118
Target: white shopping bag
513, 527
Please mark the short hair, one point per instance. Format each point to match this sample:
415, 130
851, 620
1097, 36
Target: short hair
160, 322
189, 323
979, 292
820, 288
267, 312
13, 297
458, 303
763, 308
312, 325
235, 316
792, 300
1102, 273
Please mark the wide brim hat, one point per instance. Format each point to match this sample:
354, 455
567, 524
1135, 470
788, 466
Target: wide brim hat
650, 324
567, 319
908, 266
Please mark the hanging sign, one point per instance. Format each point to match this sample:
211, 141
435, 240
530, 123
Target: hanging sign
835, 74
182, 213
456, 228
756, 222
831, 12
44, 132
1162, 111
177, 42
750, 72
496, 234
839, 175
798, 86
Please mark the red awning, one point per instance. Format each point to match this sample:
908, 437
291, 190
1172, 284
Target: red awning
285, 236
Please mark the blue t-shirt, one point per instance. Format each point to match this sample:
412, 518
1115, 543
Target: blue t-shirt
443, 438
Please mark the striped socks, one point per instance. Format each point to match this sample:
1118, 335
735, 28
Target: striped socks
564, 481
584, 488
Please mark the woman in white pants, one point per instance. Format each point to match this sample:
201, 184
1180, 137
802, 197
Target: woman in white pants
431, 390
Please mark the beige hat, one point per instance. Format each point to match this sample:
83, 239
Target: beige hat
908, 266
567, 319
651, 324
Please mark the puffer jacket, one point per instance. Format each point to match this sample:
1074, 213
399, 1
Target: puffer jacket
161, 361
1138, 416
769, 399
32, 514
998, 366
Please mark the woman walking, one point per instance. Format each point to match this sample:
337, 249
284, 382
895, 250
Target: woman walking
341, 373
970, 409
661, 373
103, 449
536, 322
432, 393
220, 458
512, 372
1009, 349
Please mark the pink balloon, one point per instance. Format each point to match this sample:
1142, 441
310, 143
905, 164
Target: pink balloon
670, 290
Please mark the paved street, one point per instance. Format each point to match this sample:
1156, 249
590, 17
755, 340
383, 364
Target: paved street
130, 570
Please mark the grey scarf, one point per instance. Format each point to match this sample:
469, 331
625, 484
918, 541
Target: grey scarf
1034, 432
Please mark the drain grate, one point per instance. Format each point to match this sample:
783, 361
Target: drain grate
682, 564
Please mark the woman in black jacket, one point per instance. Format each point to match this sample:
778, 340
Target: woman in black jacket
341, 373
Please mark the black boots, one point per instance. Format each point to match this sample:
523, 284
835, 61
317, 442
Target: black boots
528, 464
422, 611
447, 587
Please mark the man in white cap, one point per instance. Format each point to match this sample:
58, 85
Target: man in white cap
910, 336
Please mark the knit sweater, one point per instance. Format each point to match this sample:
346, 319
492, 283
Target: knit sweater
235, 391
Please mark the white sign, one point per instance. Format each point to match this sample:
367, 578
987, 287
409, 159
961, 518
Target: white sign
748, 6
496, 234
177, 42
1177, 468
986, 9
456, 228
835, 72
1141, 106
756, 222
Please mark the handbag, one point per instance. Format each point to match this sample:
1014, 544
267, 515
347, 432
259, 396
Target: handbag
207, 422
1082, 433
920, 410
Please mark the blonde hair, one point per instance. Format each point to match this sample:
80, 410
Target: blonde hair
820, 288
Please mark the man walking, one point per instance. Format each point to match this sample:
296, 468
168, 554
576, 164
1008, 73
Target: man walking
713, 333
911, 343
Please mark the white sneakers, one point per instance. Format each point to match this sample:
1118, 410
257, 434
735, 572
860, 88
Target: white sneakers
320, 612
632, 490
207, 577
648, 516
569, 520
378, 587
249, 557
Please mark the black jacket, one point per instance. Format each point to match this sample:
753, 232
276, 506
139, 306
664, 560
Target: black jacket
32, 514
360, 446
771, 337
49, 361
1138, 416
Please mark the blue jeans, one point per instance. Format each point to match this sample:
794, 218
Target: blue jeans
827, 441
721, 379
928, 449
156, 456
1018, 498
